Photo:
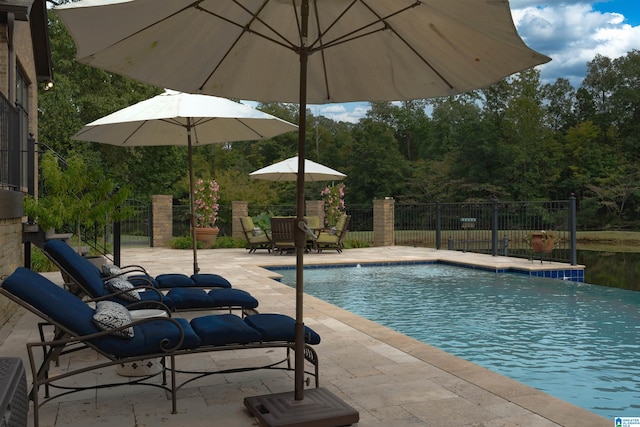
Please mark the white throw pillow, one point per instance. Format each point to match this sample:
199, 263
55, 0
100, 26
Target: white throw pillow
118, 284
110, 315
111, 270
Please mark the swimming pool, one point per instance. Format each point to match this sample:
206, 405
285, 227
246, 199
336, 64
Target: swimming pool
576, 341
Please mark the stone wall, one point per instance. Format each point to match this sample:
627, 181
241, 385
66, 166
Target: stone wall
162, 214
10, 259
383, 222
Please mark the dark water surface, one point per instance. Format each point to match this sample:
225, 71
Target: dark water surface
615, 269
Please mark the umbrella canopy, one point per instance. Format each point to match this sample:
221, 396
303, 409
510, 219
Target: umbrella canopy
287, 170
357, 50
301, 51
175, 118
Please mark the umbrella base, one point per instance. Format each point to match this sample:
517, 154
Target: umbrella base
319, 408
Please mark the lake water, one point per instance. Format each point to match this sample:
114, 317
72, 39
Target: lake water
616, 269
578, 342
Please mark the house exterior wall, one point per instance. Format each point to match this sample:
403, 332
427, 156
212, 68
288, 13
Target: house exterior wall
20, 57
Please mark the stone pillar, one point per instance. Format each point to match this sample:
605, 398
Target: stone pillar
239, 209
162, 214
383, 222
316, 208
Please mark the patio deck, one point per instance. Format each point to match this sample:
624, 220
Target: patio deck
391, 379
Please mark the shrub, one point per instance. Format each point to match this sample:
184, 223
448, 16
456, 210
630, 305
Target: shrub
228, 242
183, 242
40, 262
356, 243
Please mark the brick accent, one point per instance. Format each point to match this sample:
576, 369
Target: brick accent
383, 222
11, 257
315, 208
239, 209
162, 213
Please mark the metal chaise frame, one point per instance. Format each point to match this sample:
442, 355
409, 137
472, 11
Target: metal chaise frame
65, 341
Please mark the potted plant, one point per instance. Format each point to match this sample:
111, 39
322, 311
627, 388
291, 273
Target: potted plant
74, 196
205, 198
542, 241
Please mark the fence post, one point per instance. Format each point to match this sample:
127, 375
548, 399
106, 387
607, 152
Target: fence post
438, 225
572, 231
494, 227
239, 209
383, 222
162, 219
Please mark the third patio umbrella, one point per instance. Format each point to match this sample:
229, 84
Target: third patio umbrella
175, 118
287, 170
301, 51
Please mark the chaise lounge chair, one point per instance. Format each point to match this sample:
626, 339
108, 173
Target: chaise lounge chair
109, 331
185, 293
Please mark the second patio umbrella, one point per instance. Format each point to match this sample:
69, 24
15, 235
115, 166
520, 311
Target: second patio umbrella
175, 118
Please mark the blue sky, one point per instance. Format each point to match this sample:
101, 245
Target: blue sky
571, 32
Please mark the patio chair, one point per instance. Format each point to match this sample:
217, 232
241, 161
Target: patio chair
183, 292
257, 238
70, 325
283, 234
334, 237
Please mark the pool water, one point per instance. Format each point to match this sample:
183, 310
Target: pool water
576, 341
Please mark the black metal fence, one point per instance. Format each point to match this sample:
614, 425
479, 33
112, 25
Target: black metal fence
494, 227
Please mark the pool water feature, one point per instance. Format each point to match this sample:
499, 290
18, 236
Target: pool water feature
575, 341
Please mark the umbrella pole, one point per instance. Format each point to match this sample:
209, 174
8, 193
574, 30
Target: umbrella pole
191, 201
321, 408
300, 236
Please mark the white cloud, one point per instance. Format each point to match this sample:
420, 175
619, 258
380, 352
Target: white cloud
572, 34
349, 112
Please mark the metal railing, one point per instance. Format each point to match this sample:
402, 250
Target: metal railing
494, 227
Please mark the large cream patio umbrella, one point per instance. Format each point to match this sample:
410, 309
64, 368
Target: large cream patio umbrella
175, 118
302, 51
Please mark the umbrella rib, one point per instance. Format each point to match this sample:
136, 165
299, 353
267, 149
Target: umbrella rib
287, 44
408, 45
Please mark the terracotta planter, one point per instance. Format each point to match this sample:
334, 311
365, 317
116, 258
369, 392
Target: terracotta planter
207, 235
540, 245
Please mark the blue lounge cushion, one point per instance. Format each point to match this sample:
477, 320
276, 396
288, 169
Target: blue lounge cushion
184, 298
232, 298
74, 314
153, 296
208, 280
143, 280
79, 268
174, 280
59, 305
279, 327
149, 338
222, 329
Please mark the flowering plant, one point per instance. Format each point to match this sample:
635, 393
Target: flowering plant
333, 203
205, 199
